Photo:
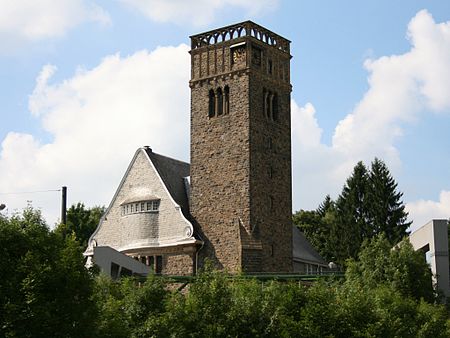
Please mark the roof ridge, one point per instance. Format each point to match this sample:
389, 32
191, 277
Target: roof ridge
150, 151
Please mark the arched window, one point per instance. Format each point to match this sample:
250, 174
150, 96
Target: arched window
226, 109
219, 101
212, 104
275, 107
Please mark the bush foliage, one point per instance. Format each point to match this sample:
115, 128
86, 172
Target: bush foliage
45, 291
218, 306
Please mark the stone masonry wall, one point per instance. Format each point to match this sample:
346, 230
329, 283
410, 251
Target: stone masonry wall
231, 188
220, 171
271, 201
180, 265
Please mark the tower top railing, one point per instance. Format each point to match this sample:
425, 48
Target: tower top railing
246, 28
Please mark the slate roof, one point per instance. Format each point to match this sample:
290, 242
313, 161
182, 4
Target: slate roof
303, 250
172, 172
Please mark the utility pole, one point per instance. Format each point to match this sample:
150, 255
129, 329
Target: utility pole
64, 205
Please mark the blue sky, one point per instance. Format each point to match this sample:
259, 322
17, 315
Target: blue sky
84, 83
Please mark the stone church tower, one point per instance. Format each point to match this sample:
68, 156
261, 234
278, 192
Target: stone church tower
241, 148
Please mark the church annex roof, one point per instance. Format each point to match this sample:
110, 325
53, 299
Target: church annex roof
303, 250
172, 172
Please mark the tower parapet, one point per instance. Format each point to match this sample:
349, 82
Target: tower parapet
236, 31
239, 47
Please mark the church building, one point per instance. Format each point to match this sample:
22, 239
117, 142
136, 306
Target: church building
232, 205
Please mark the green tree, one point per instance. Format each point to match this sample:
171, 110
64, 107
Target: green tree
215, 305
402, 268
318, 227
82, 222
386, 211
369, 204
314, 228
45, 289
352, 215
128, 308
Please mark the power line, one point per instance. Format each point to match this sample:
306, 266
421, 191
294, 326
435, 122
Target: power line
29, 192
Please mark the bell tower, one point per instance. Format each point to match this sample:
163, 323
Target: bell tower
241, 148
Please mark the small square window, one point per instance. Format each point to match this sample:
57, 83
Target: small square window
155, 205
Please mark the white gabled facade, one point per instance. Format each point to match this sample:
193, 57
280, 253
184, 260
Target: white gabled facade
144, 221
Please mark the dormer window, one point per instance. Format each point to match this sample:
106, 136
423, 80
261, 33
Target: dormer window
137, 207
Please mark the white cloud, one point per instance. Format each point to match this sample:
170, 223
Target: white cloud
426, 210
401, 86
97, 119
34, 20
401, 89
196, 12
314, 163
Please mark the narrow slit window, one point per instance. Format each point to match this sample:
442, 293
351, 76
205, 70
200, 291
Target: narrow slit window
227, 100
275, 107
219, 101
264, 102
212, 104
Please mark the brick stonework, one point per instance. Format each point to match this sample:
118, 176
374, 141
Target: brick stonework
241, 161
181, 264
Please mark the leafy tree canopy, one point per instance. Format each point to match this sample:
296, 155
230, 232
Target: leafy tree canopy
401, 268
45, 290
82, 222
214, 305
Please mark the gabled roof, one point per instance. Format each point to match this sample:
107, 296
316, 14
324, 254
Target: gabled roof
303, 250
172, 172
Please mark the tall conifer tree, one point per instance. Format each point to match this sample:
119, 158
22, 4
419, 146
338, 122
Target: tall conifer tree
368, 205
385, 206
352, 215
